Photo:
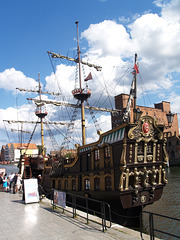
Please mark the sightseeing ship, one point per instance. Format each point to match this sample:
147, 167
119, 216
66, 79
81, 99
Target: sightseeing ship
125, 167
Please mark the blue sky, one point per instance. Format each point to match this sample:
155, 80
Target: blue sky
111, 31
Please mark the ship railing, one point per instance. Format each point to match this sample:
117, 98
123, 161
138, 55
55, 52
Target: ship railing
87, 208
153, 229
43, 193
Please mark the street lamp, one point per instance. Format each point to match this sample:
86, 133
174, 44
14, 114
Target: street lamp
170, 117
137, 113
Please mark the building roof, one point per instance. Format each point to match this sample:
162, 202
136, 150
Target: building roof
25, 145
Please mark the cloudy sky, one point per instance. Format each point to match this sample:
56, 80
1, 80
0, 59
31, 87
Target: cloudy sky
111, 32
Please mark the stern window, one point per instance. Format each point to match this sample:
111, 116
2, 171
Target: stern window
97, 184
87, 184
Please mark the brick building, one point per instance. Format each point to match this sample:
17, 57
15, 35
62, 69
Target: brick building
64, 152
11, 151
159, 111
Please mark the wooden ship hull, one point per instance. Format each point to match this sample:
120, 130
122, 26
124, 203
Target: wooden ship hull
31, 166
124, 167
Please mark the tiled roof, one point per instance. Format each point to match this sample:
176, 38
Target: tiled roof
25, 145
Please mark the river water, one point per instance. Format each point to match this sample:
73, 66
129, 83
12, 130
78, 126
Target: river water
168, 205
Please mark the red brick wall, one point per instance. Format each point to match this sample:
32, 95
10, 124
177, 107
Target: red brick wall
160, 111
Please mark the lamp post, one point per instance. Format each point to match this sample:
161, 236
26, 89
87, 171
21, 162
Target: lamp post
137, 114
170, 117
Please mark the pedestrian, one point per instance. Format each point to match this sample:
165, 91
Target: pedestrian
5, 183
1, 182
14, 183
19, 183
11, 176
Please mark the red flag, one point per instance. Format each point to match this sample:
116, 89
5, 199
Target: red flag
89, 77
136, 68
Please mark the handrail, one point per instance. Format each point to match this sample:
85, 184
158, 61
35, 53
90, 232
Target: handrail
152, 229
84, 204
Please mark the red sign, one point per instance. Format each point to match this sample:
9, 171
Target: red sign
146, 127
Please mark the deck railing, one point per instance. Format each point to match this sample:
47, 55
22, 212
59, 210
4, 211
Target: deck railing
89, 207
153, 229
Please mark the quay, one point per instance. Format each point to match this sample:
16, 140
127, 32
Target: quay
39, 221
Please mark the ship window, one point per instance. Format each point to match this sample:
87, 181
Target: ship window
96, 159
108, 184
97, 184
53, 183
87, 184
149, 148
96, 155
59, 184
140, 148
74, 185
107, 156
66, 184
88, 161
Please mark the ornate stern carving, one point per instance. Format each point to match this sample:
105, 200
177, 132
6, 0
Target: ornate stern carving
123, 156
146, 130
166, 158
144, 178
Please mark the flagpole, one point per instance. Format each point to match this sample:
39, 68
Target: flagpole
135, 88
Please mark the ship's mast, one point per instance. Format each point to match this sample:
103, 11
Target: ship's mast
81, 94
135, 88
41, 115
81, 98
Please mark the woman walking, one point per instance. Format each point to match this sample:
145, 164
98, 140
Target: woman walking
5, 183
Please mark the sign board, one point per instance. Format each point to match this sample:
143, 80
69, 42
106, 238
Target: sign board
60, 198
31, 192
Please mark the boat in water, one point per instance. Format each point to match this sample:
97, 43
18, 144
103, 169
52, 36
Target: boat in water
125, 167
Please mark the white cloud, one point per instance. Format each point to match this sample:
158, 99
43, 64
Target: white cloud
11, 78
156, 39
62, 81
108, 38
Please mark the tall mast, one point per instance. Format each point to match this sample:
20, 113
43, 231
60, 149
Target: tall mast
82, 94
41, 115
82, 99
135, 88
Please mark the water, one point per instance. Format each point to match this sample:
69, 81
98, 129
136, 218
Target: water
168, 205
10, 168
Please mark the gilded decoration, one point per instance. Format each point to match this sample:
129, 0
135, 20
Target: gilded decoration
146, 130
123, 156
144, 178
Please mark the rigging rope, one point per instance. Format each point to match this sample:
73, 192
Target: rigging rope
93, 118
54, 142
54, 72
31, 137
144, 90
70, 128
7, 132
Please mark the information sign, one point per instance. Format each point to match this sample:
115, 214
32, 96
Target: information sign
60, 198
31, 192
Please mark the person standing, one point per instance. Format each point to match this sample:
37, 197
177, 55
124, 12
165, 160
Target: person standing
14, 183
11, 176
19, 183
5, 182
1, 182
